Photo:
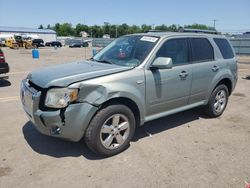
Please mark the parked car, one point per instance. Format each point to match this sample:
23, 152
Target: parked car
85, 44
75, 45
4, 67
135, 79
2, 42
79, 45
38, 42
54, 43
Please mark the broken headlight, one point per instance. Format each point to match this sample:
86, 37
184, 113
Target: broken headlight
60, 97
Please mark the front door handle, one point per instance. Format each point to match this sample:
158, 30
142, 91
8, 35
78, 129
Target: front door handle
215, 68
183, 74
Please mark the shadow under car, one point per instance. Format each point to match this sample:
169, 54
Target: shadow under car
61, 148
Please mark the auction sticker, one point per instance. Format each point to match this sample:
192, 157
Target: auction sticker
149, 39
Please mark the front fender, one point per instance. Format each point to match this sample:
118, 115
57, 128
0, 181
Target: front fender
96, 94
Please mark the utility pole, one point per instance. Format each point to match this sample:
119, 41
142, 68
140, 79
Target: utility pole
109, 27
214, 23
115, 31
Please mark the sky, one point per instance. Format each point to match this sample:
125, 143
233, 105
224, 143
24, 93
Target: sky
231, 16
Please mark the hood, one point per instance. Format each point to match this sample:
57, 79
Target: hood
66, 74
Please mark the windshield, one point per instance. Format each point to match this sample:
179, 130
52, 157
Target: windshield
128, 51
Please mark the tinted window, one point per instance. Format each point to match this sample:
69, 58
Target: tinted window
202, 50
225, 48
177, 49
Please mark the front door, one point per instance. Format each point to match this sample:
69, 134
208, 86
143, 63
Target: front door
167, 89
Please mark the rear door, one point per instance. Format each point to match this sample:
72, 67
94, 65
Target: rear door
204, 68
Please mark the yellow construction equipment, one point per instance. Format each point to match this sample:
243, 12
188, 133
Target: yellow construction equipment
18, 41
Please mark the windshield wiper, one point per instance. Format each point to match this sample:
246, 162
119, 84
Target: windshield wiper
103, 61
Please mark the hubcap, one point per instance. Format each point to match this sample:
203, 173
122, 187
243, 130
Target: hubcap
114, 131
220, 101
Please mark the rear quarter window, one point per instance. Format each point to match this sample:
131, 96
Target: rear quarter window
225, 48
202, 50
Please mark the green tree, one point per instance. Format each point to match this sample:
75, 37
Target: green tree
79, 28
173, 28
40, 27
122, 29
199, 26
57, 28
113, 31
145, 28
97, 31
134, 29
162, 27
66, 30
107, 29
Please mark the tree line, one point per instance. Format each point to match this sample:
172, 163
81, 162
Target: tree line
97, 31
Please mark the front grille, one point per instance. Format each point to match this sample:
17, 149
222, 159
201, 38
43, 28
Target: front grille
42, 97
43, 94
36, 87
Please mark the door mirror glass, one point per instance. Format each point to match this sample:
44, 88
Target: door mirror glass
162, 63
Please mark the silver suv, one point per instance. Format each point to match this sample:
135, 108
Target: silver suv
135, 79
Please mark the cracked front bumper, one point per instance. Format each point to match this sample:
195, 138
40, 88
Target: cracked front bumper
69, 123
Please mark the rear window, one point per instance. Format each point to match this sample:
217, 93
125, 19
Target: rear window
202, 50
225, 48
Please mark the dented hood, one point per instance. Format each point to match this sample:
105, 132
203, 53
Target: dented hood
66, 74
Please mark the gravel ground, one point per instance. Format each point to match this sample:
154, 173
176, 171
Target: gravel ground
182, 150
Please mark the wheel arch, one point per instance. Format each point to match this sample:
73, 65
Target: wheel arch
227, 82
126, 102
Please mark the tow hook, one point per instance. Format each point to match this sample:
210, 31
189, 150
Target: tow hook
56, 130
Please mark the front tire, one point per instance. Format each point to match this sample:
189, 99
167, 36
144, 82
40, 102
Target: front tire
111, 130
217, 102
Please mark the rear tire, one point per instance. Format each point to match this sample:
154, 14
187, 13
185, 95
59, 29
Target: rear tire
111, 130
217, 102
28, 46
15, 46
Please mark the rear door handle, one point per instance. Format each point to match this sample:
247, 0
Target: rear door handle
183, 74
215, 68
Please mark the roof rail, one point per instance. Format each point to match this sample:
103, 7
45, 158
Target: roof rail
187, 30
155, 31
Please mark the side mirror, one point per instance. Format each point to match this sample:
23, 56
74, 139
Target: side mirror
162, 63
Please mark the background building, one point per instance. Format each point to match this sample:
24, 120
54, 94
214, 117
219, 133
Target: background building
45, 34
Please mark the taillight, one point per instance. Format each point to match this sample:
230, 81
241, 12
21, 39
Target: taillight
2, 57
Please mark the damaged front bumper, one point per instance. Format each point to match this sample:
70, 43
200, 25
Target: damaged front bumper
69, 123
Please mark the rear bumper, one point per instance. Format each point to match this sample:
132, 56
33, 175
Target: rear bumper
69, 123
4, 68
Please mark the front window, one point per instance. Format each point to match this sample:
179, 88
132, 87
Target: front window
177, 49
127, 51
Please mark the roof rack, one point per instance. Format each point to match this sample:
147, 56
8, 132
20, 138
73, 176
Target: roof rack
155, 31
187, 30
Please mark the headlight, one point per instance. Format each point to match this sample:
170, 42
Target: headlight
60, 97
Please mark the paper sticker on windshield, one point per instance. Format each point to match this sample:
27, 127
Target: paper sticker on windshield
149, 39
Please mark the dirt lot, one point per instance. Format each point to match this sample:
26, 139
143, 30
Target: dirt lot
182, 150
